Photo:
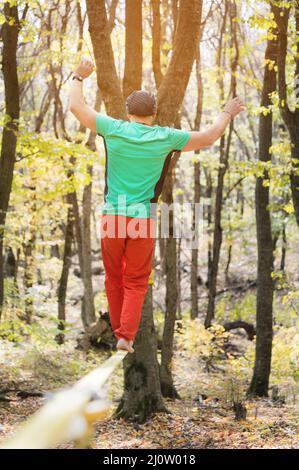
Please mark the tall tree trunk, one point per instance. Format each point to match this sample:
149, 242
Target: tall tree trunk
208, 216
87, 307
161, 246
67, 261
230, 7
179, 271
264, 301
291, 118
194, 255
170, 98
283, 247
10, 34
86, 247
133, 49
214, 247
29, 248
156, 47
196, 200
217, 234
167, 386
86, 227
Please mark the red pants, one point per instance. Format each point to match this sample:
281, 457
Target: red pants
127, 255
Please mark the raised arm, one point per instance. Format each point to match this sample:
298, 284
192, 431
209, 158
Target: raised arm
205, 138
84, 113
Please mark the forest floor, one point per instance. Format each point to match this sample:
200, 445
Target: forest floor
211, 369
202, 418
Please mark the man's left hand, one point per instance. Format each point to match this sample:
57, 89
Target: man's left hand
85, 68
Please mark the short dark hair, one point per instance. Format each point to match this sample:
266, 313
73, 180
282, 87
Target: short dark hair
141, 103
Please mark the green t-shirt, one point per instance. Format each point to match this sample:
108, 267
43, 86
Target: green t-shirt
137, 160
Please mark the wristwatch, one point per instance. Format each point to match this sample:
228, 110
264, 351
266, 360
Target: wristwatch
228, 113
77, 77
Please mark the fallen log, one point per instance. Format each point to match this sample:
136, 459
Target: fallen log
248, 327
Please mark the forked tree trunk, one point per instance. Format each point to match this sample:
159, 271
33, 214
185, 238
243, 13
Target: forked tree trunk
108, 81
170, 97
142, 367
173, 86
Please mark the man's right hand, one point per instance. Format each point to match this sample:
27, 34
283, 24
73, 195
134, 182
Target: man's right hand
234, 106
205, 138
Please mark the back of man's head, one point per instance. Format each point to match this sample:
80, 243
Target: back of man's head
141, 103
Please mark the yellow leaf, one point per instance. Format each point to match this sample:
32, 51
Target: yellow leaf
289, 208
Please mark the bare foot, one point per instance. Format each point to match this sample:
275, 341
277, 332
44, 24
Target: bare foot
125, 345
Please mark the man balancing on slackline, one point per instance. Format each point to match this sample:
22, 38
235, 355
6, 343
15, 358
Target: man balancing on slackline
138, 154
